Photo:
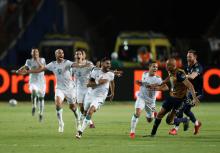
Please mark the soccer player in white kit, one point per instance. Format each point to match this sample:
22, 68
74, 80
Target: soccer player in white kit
147, 96
64, 87
37, 84
81, 75
100, 86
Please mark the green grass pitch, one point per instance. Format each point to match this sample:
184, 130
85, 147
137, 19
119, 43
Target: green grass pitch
22, 133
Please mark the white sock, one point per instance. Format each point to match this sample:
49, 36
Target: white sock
176, 127
196, 122
134, 121
41, 105
84, 124
60, 116
90, 122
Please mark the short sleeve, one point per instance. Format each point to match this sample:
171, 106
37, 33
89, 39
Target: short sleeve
49, 66
111, 76
159, 81
43, 61
69, 64
28, 63
93, 74
181, 76
198, 69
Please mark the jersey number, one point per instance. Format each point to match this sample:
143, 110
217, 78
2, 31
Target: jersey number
59, 71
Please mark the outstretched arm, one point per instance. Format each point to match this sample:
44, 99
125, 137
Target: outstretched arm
22, 70
40, 69
162, 87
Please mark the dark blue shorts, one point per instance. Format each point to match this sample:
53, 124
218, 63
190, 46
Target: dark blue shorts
188, 104
173, 103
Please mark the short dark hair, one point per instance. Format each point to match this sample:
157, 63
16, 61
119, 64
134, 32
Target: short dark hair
194, 52
33, 48
81, 49
105, 59
78, 51
152, 62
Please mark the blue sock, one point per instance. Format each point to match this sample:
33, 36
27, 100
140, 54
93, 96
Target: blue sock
191, 116
177, 121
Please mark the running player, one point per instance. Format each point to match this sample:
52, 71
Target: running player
147, 96
100, 82
179, 86
64, 87
194, 74
37, 84
81, 75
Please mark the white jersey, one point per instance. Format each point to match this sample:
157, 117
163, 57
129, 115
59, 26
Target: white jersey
35, 77
145, 93
82, 75
63, 74
102, 90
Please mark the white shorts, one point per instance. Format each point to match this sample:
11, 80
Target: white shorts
80, 94
69, 95
147, 105
38, 87
96, 101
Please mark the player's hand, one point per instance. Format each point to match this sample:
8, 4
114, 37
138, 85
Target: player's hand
118, 73
138, 82
21, 71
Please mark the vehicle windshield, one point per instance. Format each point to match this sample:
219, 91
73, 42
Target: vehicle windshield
162, 53
130, 52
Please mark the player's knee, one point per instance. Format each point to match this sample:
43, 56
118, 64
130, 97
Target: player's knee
137, 114
72, 107
149, 119
91, 111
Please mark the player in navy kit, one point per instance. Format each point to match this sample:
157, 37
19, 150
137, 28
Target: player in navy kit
194, 73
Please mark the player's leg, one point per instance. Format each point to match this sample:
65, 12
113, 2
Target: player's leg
41, 94
95, 105
59, 97
139, 106
86, 121
172, 118
41, 107
149, 115
150, 109
80, 98
86, 104
34, 101
190, 114
71, 99
177, 120
166, 107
